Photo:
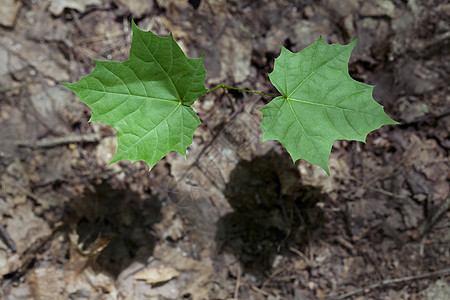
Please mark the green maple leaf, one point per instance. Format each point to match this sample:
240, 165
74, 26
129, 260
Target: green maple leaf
320, 103
146, 98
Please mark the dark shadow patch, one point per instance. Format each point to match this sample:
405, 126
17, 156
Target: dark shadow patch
118, 220
195, 3
272, 211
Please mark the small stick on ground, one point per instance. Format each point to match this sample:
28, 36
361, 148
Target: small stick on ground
433, 219
300, 253
272, 276
56, 141
366, 289
238, 282
4, 236
260, 291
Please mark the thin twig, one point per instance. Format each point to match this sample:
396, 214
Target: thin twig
77, 22
367, 185
230, 99
260, 291
52, 142
98, 38
300, 253
4, 236
432, 220
13, 88
366, 289
223, 86
238, 282
272, 276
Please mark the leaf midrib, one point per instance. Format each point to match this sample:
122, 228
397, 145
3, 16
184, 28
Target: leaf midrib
152, 130
132, 95
329, 105
160, 66
316, 70
301, 124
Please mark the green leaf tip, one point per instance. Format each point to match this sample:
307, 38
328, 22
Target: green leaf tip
321, 103
147, 98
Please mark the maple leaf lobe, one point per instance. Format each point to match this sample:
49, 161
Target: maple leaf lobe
320, 103
146, 98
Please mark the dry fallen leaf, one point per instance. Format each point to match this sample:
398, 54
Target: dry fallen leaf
157, 275
9, 11
171, 226
201, 273
138, 7
79, 274
58, 6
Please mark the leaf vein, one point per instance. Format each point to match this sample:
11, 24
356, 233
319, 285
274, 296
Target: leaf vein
316, 70
154, 128
158, 63
301, 125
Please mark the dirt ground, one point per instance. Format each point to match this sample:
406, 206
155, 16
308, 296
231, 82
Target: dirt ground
236, 220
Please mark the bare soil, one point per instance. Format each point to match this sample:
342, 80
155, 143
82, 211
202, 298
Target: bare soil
237, 219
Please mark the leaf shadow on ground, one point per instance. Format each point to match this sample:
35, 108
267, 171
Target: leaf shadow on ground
115, 224
273, 211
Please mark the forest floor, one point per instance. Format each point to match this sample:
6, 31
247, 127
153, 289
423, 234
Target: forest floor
236, 220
